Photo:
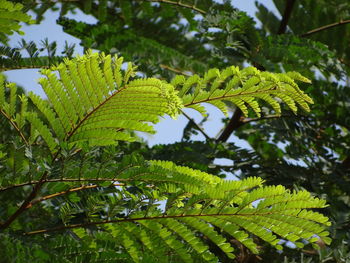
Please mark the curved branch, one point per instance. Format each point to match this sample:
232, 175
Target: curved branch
27, 201
267, 117
61, 180
15, 127
200, 129
178, 3
322, 28
44, 198
175, 70
24, 205
234, 123
74, 180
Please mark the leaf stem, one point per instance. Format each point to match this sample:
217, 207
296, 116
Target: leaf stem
44, 198
15, 127
200, 129
160, 217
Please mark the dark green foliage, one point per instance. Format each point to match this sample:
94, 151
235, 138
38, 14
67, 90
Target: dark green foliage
317, 14
125, 191
35, 57
288, 52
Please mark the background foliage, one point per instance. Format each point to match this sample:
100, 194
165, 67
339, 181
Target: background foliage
167, 38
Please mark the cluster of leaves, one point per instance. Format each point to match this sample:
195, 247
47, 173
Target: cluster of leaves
113, 204
33, 57
77, 117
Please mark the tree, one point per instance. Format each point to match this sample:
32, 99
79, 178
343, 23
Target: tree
93, 199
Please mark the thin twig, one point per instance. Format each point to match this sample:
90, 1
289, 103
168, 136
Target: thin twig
346, 63
44, 198
73, 180
23, 67
267, 117
197, 126
15, 127
178, 3
177, 71
55, 181
322, 28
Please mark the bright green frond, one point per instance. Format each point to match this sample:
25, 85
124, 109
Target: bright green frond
210, 233
195, 174
169, 239
10, 102
190, 238
243, 88
93, 100
43, 130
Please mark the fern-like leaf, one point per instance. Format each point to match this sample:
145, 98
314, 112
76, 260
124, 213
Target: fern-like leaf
93, 101
242, 88
203, 219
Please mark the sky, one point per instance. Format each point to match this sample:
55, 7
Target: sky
168, 130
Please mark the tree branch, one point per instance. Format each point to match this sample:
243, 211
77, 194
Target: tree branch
178, 3
177, 71
286, 16
237, 119
15, 127
267, 117
160, 217
234, 123
23, 67
73, 180
3, 189
322, 28
27, 201
197, 126
84, 187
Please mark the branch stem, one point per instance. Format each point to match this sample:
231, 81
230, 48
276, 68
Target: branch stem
322, 28
15, 127
84, 187
72, 180
286, 16
234, 123
200, 129
27, 201
179, 3
175, 70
